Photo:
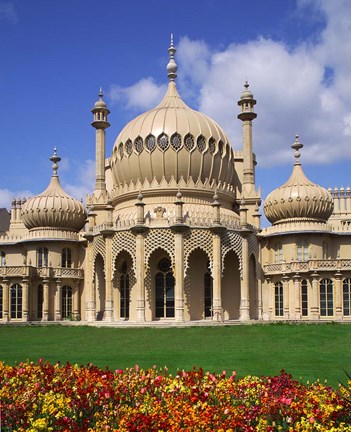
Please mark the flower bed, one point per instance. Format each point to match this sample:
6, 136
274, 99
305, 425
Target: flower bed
45, 397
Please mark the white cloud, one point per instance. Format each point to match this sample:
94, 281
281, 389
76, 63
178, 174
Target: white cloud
8, 12
84, 180
145, 94
6, 197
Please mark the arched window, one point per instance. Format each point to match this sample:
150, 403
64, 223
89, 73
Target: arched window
66, 258
304, 298
279, 299
164, 290
124, 291
40, 301
42, 257
302, 251
3, 259
326, 297
346, 296
1, 299
325, 247
278, 252
66, 304
16, 301
208, 294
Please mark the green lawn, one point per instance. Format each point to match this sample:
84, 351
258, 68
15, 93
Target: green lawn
307, 351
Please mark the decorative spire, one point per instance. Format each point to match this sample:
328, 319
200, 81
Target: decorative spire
54, 159
100, 93
172, 65
297, 146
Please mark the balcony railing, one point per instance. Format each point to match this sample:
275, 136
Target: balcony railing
306, 266
41, 272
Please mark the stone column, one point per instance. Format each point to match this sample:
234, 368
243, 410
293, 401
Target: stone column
76, 314
25, 300
245, 280
286, 293
297, 296
109, 275
6, 300
89, 285
315, 297
58, 302
338, 291
217, 310
45, 300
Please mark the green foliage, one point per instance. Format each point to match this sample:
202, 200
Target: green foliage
307, 351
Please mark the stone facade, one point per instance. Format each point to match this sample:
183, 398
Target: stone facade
171, 232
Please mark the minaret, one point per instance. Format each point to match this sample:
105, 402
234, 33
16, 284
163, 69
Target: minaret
100, 123
247, 103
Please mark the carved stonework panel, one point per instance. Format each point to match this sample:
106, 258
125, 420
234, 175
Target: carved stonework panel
159, 239
198, 239
232, 240
124, 241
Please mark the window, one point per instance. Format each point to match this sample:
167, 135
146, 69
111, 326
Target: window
16, 301
1, 299
278, 252
304, 298
302, 251
66, 304
40, 302
346, 296
326, 297
279, 299
164, 290
208, 294
3, 259
66, 258
325, 247
42, 257
124, 290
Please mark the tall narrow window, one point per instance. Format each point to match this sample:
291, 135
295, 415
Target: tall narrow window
164, 290
279, 299
66, 258
302, 251
1, 299
326, 297
208, 294
325, 247
3, 259
42, 257
66, 302
346, 296
16, 301
40, 301
124, 290
278, 252
304, 298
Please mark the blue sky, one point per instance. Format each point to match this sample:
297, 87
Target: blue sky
55, 55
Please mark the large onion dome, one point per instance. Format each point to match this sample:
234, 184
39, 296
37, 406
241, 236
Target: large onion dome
172, 141
298, 199
53, 208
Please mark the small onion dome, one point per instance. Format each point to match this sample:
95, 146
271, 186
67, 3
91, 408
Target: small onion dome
100, 103
298, 199
53, 208
246, 94
172, 141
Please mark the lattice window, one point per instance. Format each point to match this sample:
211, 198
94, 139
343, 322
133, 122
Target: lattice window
163, 142
198, 239
232, 241
129, 147
150, 143
189, 142
221, 148
124, 241
159, 239
121, 150
201, 143
176, 141
212, 145
138, 144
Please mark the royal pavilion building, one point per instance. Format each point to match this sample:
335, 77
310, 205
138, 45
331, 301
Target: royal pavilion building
171, 233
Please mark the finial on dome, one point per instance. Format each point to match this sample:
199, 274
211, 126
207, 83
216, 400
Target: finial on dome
100, 93
297, 146
172, 65
54, 159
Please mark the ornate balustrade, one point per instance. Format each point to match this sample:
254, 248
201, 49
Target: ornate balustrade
306, 266
40, 272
